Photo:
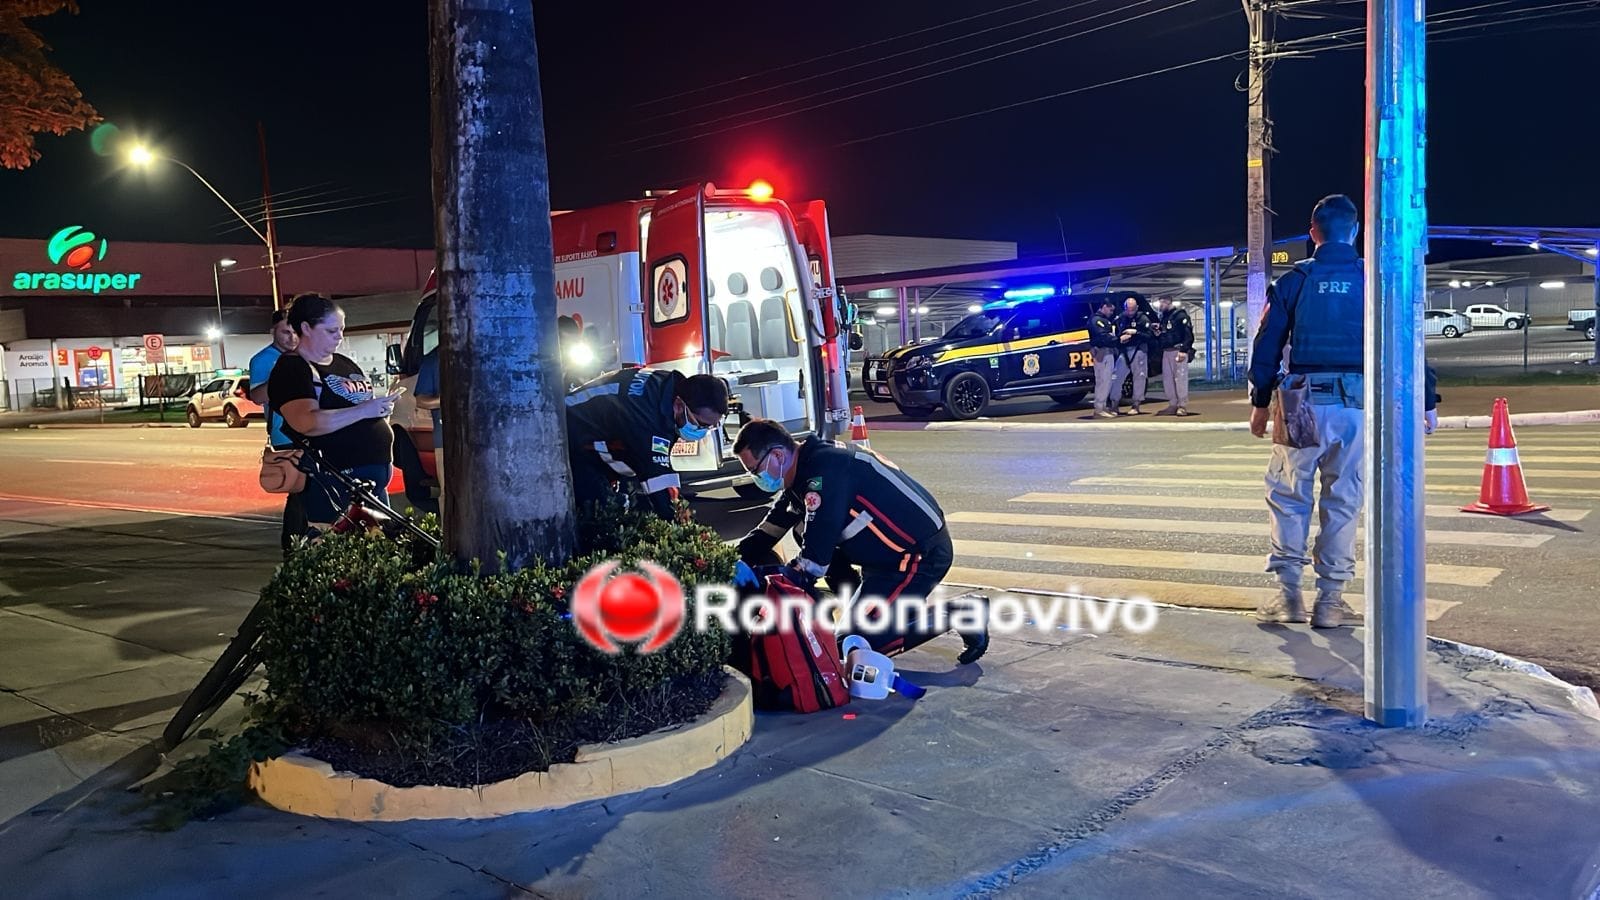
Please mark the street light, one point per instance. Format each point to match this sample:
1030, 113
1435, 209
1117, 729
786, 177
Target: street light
216, 281
143, 157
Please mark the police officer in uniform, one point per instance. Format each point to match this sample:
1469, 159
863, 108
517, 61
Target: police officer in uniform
623, 425
1103, 345
1135, 332
1319, 308
1175, 335
851, 503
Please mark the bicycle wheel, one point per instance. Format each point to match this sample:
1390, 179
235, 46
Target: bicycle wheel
226, 675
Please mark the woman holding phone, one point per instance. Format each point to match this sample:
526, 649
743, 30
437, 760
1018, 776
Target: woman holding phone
325, 398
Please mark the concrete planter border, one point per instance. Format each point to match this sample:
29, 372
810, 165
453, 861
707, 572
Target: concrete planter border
304, 785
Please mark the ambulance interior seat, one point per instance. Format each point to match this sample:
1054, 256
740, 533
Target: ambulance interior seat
717, 329
739, 330
776, 341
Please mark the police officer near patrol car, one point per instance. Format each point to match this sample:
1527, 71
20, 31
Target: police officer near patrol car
1134, 335
852, 503
1319, 308
622, 426
1103, 346
1175, 336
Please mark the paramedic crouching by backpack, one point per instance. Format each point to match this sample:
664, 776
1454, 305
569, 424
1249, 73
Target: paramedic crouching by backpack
861, 505
623, 426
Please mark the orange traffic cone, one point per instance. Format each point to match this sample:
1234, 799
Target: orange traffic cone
1503, 492
858, 431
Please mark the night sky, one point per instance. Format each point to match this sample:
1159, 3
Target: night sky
1153, 164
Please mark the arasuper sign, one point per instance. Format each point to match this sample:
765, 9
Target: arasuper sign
93, 282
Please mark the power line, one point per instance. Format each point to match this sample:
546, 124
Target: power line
902, 83
1055, 96
880, 59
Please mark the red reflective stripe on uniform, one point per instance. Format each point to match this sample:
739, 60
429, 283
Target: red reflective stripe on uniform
909, 575
877, 514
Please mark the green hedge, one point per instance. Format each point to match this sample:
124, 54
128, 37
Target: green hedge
360, 638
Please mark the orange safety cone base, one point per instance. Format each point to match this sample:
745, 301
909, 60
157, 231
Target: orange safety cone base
1488, 510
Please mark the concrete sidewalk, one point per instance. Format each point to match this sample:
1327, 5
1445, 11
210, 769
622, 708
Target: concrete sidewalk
1211, 757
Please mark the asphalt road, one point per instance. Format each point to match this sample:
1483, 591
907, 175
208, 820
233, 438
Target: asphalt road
1174, 516
1547, 345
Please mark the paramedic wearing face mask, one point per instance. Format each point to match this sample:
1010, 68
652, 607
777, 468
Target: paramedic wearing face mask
860, 505
623, 425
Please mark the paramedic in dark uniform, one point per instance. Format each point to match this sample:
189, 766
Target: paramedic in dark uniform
623, 425
1319, 308
854, 502
1103, 345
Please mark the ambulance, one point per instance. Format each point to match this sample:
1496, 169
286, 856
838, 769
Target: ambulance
735, 283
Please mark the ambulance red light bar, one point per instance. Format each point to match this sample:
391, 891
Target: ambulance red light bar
760, 190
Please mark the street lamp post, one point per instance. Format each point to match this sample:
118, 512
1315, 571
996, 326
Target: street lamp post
143, 156
216, 281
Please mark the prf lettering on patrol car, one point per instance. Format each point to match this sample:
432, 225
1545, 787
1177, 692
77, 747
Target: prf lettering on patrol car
1080, 359
1333, 287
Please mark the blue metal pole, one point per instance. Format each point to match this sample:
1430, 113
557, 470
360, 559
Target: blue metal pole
1396, 245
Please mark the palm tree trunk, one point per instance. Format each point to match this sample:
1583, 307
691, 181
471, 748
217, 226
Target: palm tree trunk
510, 489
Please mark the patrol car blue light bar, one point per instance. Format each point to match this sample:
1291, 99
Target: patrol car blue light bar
1030, 293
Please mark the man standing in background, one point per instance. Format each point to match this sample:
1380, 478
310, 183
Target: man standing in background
1134, 334
1176, 339
1103, 345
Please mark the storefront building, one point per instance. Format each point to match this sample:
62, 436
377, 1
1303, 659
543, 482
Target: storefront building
94, 313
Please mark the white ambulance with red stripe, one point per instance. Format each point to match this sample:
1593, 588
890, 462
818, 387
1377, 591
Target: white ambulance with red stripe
738, 284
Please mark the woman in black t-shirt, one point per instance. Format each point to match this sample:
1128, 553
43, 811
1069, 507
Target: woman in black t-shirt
326, 398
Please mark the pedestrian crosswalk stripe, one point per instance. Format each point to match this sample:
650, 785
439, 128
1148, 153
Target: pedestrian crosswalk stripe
1478, 440
1551, 474
1258, 483
1248, 504
1243, 529
1177, 593
1186, 561
1527, 456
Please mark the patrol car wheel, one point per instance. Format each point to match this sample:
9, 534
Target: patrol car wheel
916, 412
966, 396
232, 417
1589, 335
1451, 331
1072, 398
1514, 324
194, 417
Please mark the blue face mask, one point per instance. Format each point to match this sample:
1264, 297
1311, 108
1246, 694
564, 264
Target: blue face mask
768, 482
693, 431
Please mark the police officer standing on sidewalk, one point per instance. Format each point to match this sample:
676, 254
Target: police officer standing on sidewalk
1103, 345
1175, 335
1135, 333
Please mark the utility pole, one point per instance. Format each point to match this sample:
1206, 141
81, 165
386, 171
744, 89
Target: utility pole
272, 230
1396, 243
1258, 194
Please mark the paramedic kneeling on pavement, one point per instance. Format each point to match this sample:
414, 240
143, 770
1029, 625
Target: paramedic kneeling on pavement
623, 426
860, 504
1319, 309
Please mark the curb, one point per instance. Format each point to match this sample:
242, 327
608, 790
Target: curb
71, 425
307, 786
1582, 698
1578, 417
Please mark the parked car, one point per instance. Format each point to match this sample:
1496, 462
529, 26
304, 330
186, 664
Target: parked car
1447, 322
226, 398
1582, 320
1487, 315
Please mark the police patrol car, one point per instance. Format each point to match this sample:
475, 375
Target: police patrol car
1023, 348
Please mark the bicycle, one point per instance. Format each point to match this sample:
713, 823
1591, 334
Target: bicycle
366, 510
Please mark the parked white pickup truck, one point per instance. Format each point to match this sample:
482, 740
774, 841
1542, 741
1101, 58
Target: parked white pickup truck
1487, 315
1582, 320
